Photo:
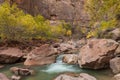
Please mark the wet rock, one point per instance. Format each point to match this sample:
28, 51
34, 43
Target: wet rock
81, 76
42, 55
97, 53
22, 71
10, 55
14, 77
117, 77
115, 65
70, 58
3, 77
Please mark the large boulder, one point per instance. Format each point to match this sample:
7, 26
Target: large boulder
70, 58
42, 55
97, 53
10, 55
22, 71
81, 76
115, 65
3, 77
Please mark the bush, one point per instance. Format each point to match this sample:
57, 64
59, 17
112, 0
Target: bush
16, 25
104, 12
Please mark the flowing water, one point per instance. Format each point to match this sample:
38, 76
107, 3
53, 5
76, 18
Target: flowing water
49, 72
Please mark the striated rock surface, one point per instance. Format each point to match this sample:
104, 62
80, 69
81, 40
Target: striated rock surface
42, 55
97, 53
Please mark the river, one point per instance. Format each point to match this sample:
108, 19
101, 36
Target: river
49, 72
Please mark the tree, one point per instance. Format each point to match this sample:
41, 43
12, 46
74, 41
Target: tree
103, 12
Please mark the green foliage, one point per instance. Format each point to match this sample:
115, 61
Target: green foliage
103, 12
16, 25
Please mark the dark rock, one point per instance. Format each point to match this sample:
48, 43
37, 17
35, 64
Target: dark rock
97, 53
22, 71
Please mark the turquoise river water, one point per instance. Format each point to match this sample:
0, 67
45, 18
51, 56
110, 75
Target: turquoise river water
49, 72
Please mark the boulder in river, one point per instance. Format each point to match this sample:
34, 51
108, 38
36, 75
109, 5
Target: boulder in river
22, 71
97, 53
14, 77
3, 77
115, 65
117, 77
10, 55
42, 55
70, 58
81, 76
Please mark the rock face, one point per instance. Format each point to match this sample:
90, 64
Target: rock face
55, 9
70, 58
21, 71
42, 55
1, 1
3, 77
97, 53
82, 76
10, 55
115, 65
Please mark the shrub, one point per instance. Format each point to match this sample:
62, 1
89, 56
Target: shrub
16, 25
105, 13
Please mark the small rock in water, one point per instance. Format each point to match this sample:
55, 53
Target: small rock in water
21, 71
81, 76
70, 58
117, 77
14, 77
